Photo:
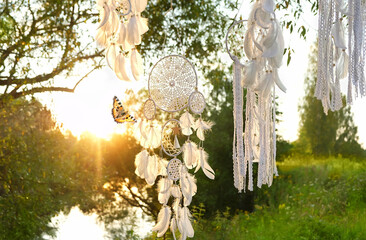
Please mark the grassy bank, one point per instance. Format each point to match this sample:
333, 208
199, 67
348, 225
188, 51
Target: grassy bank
311, 199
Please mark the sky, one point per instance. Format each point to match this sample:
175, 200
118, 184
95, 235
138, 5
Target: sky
89, 109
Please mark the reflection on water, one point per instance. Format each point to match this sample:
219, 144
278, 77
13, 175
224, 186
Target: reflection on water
78, 226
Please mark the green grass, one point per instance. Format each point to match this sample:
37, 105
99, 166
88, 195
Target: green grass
311, 199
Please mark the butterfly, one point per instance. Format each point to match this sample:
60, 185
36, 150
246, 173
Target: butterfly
119, 114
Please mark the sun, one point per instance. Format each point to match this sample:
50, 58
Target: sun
89, 108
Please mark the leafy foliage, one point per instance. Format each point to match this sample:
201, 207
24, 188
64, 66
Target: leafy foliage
325, 135
40, 173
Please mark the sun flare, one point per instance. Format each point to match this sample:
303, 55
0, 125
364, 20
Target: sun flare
89, 108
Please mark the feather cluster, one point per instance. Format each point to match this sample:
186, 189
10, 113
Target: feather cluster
148, 167
119, 32
147, 134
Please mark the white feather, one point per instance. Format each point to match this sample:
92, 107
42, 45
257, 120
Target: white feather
338, 35
141, 161
268, 5
342, 65
163, 221
153, 137
271, 35
188, 187
133, 36
151, 172
140, 5
187, 225
136, 65
163, 163
202, 127
139, 130
176, 192
120, 68
206, 168
248, 46
105, 14
277, 80
141, 25
101, 38
163, 197
122, 34
249, 76
164, 185
276, 61
114, 21
186, 123
111, 56
173, 227
189, 154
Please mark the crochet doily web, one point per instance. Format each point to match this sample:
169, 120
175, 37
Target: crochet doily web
149, 109
171, 81
167, 135
197, 102
173, 169
123, 7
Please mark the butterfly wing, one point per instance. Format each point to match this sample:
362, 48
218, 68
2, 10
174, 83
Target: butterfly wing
120, 115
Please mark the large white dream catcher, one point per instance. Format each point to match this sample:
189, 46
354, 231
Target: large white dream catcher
338, 59
173, 88
119, 31
256, 46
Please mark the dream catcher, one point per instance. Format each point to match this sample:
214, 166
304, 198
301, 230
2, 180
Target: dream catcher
334, 63
256, 46
119, 31
173, 89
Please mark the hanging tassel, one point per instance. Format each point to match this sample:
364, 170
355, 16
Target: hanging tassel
163, 221
141, 162
202, 127
189, 154
176, 142
136, 64
203, 163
